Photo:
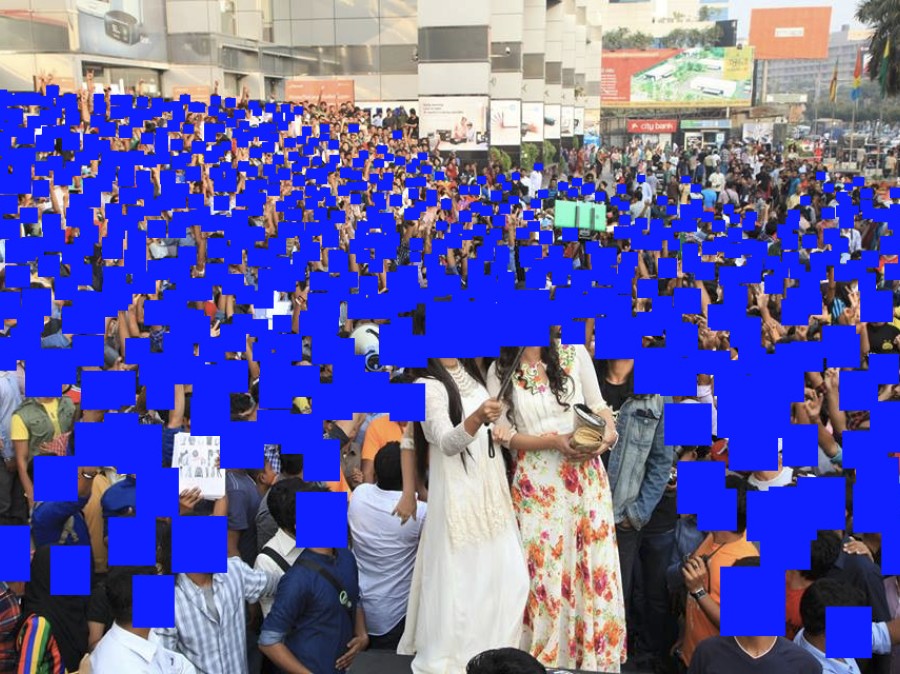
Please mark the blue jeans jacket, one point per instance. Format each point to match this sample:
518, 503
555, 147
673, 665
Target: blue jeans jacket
640, 464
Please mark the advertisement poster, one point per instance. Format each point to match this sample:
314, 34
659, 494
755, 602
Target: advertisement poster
567, 121
592, 127
552, 121
532, 122
578, 123
197, 459
454, 122
674, 78
308, 90
759, 132
133, 29
506, 122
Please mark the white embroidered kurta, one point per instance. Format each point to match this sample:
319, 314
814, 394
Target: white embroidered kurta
470, 582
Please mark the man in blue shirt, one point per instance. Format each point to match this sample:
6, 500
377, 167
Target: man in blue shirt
710, 197
316, 624
62, 522
827, 592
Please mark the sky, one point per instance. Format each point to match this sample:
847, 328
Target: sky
841, 13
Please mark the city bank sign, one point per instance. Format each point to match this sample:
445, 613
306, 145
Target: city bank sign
652, 126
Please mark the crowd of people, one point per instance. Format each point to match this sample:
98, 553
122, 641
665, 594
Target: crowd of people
530, 520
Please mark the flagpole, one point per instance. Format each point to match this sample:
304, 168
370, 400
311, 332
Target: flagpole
853, 132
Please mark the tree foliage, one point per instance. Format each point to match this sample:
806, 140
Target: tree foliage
883, 16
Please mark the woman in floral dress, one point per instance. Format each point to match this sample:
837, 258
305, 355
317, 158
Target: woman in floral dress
575, 617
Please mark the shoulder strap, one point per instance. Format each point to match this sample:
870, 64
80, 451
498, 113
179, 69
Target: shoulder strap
275, 557
343, 597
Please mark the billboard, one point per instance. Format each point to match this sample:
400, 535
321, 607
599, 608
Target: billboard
705, 77
567, 121
133, 29
454, 122
652, 126
790, 33
506, 122
552, 121
308, 90
532, 122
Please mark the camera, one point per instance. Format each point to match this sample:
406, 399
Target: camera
673, 476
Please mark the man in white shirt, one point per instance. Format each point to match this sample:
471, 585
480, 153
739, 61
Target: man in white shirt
535, 182
385, 549
281, 551
126, 648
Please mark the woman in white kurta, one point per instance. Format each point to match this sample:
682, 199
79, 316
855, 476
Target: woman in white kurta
576, 612
470, 582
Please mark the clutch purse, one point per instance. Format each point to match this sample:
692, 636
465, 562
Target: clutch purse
589, 429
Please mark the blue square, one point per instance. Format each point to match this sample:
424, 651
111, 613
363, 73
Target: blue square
132, 541
538, 166
354, 128
199, 544
753, 602
327, 527
18, 276
15, 562
55, 478
848, 631
221, 203
667, 267
688, 424
40, 189
154, 601
70, 570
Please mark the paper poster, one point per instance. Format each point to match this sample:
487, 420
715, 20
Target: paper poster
506, 122
197, 460
532, 122
454, 122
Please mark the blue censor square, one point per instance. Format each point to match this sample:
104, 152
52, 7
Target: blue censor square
848, 631
322, 520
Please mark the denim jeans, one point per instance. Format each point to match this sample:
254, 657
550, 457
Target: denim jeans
653, 622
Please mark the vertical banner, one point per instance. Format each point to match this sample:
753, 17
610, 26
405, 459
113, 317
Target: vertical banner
506, 122
532, 122
592, 127
454, 122
578, 123
567, 121
552, 121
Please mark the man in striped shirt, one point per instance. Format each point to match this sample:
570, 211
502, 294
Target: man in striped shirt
210, 626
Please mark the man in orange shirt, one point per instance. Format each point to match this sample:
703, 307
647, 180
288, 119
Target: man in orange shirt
380, 432
702, 573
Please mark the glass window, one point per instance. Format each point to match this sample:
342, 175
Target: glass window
453, 44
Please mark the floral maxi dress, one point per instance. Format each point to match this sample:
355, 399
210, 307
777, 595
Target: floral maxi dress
575, 617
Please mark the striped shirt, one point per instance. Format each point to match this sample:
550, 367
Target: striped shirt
215, 644
38, 651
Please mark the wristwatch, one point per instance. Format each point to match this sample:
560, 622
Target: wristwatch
698, 594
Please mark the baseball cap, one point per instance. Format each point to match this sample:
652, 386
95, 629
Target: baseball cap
119, 500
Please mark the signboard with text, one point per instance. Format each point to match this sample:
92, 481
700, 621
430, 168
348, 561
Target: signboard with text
652, 126
332, 92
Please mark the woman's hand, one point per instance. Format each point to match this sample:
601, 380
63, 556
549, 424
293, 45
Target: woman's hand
502, 435
489, 411
855, 547
406, 508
